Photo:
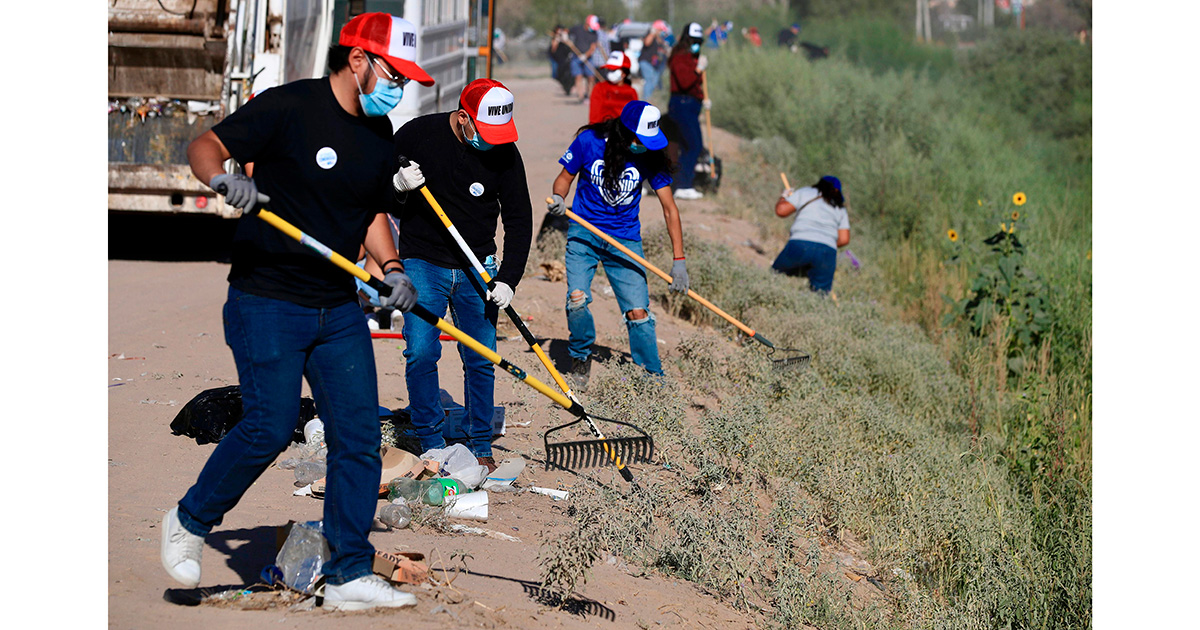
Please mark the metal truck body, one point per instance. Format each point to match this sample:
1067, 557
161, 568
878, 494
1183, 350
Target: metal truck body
176, 67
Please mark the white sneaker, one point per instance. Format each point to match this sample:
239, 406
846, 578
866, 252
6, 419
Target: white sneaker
688, 194
180, 550
366, 592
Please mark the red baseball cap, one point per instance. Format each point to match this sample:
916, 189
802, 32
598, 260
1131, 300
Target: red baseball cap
392, 38
490, 105
617, 61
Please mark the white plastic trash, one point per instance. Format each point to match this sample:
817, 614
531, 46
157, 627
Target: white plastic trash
453, 458
313, 427
506, 473
557, 494
471, 477
472, 505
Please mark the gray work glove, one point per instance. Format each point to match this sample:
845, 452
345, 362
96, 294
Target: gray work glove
239, 190
679, 277
404, 294
557, 206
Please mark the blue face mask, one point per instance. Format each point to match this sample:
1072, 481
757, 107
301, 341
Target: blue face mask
695, 48
477, 141
638, 148
383, 99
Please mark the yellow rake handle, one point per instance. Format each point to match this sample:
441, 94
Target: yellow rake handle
658, 272
419, 311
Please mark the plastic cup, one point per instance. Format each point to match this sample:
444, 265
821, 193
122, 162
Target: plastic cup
472, 505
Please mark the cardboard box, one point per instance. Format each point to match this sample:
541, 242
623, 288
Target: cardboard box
405, 567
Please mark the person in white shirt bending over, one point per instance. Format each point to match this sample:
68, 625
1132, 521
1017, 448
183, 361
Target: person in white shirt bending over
820, 227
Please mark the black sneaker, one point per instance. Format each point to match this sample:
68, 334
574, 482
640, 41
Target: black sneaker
581, 371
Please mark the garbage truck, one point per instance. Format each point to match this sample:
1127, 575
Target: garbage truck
177, 67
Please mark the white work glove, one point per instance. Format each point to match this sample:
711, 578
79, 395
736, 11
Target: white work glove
408, 178
404, 294
239, 190
557, 206
501, 295
707, 104
701, 63
679, 277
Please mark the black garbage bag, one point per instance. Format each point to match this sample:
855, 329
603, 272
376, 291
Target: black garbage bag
551, 224
212, 414
404, 431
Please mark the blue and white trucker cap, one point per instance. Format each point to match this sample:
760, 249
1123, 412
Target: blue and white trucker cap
642, 119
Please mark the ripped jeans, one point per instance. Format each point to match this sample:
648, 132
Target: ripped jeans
584, 251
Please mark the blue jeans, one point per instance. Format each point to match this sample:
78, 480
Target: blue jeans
584, 251
458, 289
653, 77
685, 111
816, 261
274, 344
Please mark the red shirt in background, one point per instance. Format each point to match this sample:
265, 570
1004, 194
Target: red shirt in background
684, 78
608, 100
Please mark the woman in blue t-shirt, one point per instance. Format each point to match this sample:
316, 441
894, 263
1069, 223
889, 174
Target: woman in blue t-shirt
615, 156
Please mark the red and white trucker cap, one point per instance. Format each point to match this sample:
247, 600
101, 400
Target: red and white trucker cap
390, 37
490, 105
617, 61
593, 22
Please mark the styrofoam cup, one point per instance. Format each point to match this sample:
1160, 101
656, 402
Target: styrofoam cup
472, 505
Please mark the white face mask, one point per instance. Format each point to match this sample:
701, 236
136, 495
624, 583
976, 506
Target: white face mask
614, 76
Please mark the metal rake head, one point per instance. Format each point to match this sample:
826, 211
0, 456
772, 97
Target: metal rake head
794, 358
571, 456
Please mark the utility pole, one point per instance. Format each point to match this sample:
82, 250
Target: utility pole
924, 30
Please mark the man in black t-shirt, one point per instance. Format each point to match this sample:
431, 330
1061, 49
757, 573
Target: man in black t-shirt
476, 175
322, 157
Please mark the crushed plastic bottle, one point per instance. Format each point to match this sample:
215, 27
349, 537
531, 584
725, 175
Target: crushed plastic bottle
407, 488
396, 515
308, 472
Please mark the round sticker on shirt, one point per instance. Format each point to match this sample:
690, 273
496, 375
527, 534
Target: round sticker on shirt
476, 189
326, 158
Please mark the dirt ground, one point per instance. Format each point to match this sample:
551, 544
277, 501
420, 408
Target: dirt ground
166, 345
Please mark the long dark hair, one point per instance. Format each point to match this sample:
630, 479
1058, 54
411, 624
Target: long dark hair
617, 138
684, 45
831, 194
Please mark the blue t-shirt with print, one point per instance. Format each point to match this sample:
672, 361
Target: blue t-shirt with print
614, 212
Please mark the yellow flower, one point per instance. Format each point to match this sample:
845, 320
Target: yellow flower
979, 201
1011, 228
1016, 215
1019, 199
1089, 255
952, 235
1003, 228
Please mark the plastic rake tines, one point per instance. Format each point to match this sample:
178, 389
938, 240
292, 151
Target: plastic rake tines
571, 456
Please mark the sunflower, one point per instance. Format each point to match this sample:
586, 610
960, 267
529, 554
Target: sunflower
952, 235
1011, 227
1019, 199
1003, 228
1016, 215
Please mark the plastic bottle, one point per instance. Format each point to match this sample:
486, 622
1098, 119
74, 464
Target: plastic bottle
437, 492
308, 472
407, 488
395, 515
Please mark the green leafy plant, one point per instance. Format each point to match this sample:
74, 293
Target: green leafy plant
1006, 289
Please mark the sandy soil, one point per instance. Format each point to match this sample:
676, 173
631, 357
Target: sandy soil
166, 346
